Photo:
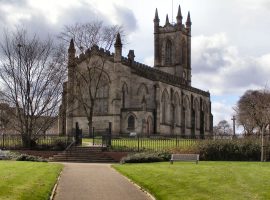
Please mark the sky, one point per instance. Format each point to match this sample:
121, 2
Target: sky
230, 39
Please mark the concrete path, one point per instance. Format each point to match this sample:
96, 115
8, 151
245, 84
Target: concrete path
85, 181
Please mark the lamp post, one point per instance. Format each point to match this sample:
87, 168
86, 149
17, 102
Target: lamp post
233, 119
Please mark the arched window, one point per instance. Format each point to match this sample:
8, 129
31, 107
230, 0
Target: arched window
168, 52
197, 113
101, 102
165, 112
131, 122
184, 52
177, 109
185, 114
102, 95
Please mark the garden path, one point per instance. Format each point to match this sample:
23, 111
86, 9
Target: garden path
86, 181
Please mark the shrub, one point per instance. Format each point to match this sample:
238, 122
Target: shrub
8, 155
185, 150
59, 145
230, 150
146, 157
24, 157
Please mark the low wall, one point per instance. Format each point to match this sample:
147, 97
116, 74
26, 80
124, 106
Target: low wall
117, 156
43, 154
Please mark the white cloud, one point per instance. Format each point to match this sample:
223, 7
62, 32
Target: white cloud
230, 45
218, 66
149, 61
221, 111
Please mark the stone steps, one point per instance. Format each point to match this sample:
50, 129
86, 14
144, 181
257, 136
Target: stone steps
83, 154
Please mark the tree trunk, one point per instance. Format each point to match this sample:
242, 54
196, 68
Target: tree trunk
90, 119
90, 128
262, 144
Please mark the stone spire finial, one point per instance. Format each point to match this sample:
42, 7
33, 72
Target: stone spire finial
156, 15
156, 21
179, 16
188, 22
118, 48
167, 20
71, 46
131, 55
118, 42
71, 53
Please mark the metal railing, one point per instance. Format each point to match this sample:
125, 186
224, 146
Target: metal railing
139, 142
42, 142
151, 142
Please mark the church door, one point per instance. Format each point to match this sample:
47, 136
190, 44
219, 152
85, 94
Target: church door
149, 126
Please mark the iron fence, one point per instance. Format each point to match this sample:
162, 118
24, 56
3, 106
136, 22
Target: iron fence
151, 142
139, 142
42, 142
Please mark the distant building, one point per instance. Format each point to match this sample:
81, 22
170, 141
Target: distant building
9, 121
140, 98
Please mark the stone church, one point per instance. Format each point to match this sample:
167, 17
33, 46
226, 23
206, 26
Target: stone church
140, 98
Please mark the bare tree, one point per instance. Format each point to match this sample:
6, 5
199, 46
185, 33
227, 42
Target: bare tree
86, 35
223, 128
253, 112
90, 80
92, 86
31, 77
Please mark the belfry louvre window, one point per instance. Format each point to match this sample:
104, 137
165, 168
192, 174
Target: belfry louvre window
131, 122
168, 52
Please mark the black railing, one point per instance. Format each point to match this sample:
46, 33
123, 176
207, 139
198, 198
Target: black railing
151, 142
135, 142
139, 142
42, 142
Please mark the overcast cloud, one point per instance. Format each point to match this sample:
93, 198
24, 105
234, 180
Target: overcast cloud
230, 39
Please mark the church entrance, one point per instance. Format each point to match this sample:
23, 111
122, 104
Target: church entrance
149, 126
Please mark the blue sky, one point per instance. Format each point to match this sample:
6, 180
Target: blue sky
230, 39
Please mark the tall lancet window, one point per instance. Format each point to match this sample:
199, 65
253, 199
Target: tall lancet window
168, 52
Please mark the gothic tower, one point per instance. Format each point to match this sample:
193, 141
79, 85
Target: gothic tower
172, 46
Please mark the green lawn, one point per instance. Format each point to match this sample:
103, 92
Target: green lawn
27, 180
205, 181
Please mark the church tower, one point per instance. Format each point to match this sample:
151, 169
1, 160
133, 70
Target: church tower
172, 46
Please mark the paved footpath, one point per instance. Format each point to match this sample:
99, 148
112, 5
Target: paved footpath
85, 181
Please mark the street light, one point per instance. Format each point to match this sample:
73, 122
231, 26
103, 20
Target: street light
233, 119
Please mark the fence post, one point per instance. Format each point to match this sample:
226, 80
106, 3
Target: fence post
110, 135
3, 140
176, 141
138, 142
93, 135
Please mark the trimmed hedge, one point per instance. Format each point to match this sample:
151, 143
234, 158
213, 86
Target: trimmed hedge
209, 150
230, 150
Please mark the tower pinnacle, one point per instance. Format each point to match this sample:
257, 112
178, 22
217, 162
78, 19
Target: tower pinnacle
118, 42
117, 48
179, 16
156, 16
71, 46
167, 20
188, 22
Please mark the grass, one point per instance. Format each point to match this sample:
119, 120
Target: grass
27, 180
205, 181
